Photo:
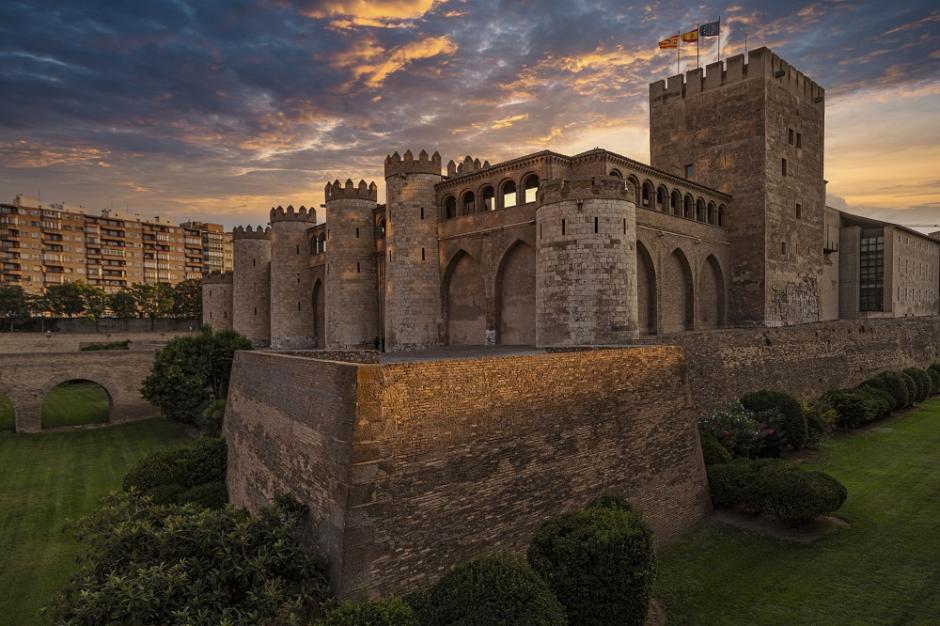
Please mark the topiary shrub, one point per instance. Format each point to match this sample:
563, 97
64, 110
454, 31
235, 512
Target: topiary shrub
934, 372
911, 388
881, 400
921, 381
490, 590
212, 495
735, 428
792, 422
388, 612
166, 494
712, 451
853, 408
599, 563
893, 383
170, 477
820, 421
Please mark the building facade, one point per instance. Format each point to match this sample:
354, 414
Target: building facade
726, 227
54, 243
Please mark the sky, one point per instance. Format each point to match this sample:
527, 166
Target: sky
220, 109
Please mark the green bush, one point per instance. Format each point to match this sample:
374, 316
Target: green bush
820, 421
893, 383
166, 494
201, 462
712, 451
599, 563
113, 345
853, 408
911, 388
881, 400
490, 590
793, 422
934, 372
388, 612
210, 420
921, 382
775, 487
735, 428
212, 495
176, 565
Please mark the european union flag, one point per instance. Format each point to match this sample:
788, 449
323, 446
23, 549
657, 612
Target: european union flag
709, 30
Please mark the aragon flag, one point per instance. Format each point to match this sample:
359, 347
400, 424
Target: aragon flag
691, 36
709, 30
669, 42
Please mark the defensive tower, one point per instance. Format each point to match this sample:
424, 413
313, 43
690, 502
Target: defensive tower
585, 272
291, 288
351, 279
412, 274
251, 288
217, 300
753, 128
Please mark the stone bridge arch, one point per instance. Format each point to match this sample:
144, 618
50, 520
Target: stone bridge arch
26, 379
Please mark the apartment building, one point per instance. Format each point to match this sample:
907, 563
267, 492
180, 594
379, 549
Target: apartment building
43, 244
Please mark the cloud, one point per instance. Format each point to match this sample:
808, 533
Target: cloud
374, 13
23, 154
371, 63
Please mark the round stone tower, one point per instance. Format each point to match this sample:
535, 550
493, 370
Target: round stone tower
585, 270
291, 288
217, 301
351, 277
251, 288
412, 275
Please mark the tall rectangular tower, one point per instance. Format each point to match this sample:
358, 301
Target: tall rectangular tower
753, 128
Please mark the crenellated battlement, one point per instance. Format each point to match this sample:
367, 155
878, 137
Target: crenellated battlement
760, 63
349, 191
467, 166
407, 164
247, 232
280, 214
600, 187
217, 278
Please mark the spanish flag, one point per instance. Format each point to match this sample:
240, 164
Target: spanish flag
691, 36
669, 42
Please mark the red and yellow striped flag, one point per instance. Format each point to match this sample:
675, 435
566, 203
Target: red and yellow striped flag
691, 36
669, 42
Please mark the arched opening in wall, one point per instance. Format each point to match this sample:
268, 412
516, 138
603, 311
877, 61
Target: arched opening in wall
380, 229
507, 194
616, 173
464, 302
646, 195
645, 291
662, 199
700, 210
710, 213
489, 198
634, 184
711, 295
7, 415
677, 302
515, 293
319, 315
75, 402
450, 208
530, 188
688, 207
675, 203
467, 201
722, 215
322, 243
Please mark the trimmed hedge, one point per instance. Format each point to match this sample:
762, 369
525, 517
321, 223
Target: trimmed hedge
712, 451
792, 423
193, 474
934, 372
490, 590
853, 407
113, 345
775, 487
922, 381
911, 388
879, 398
388, 612
599, 562
893, 383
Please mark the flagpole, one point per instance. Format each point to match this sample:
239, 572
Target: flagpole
698, 36
678, 48
719, 38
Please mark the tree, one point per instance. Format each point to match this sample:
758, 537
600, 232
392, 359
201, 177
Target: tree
95, 300
153, 300
38, 306
187, 299
123, 305
13, 303
65, 299
190, 372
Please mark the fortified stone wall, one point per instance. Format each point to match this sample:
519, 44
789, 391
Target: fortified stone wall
217, 301
29, 343
291, 287
411, 468
251, 286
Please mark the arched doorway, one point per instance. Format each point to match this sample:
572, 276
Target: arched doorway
465, 302
515, 284
319, 315
711, 294
677, 300
645, 291
75, 402
7, 415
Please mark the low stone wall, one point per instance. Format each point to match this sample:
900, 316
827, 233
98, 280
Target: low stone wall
805, 360
410, 468
26, 379
26, 343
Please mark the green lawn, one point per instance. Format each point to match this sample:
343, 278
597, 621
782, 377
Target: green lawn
885, 569
46, 478
74, 403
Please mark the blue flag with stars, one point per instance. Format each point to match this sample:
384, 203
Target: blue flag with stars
709, 30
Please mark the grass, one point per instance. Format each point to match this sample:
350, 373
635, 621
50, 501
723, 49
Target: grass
46, 479
885, 569
74, 403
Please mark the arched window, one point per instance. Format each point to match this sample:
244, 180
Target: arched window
466, 203
616, 173
710, 213
647, 194
489, 198
700, 210
530, 188
661, 194
721, 215
634, 184
508, 194
450, 208
381, 228
675, 202
322, 240
688, 207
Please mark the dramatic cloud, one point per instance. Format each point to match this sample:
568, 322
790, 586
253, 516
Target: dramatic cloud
218, 109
